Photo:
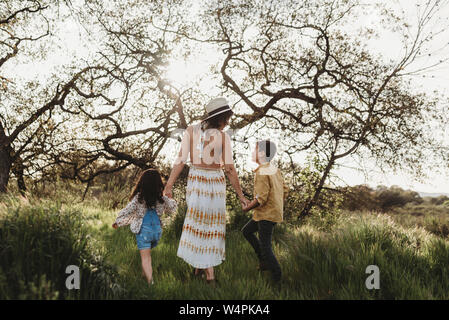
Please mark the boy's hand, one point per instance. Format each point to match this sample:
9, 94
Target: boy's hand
244, 202
114, 225
253, 204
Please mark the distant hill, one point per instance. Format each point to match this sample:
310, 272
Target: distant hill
433, 195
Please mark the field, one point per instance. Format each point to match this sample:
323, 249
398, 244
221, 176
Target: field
93, 93
321, 257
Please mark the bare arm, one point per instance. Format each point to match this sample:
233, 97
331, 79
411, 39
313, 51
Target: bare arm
176, 170
179, 163
230, 171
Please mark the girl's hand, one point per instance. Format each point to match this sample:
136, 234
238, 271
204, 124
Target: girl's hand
114, 225
168, 192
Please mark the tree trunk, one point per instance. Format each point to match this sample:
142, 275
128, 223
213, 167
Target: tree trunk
18, 170
5, 167
319, 188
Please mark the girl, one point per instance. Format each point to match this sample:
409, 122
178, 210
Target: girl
142, 214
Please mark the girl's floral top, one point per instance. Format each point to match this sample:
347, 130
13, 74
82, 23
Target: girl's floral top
134, 212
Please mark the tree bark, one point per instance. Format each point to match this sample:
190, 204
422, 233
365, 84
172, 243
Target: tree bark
18, 170
5, 167
319, 188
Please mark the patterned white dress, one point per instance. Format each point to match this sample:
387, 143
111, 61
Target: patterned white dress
202, 243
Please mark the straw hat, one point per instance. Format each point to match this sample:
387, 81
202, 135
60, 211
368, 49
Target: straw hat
217, 106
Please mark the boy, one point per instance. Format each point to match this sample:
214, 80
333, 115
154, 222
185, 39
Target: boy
270, 191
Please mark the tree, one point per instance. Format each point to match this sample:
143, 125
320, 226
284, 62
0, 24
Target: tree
27, 118
395, 196
296, 67
133, 128
14, 19
116, 112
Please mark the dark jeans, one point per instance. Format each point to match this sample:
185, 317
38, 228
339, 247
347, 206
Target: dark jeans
262, 245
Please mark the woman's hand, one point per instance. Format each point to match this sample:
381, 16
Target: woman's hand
177, 168
168, 191
114, 225
244, 201
251, 205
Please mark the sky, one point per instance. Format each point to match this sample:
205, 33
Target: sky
352, 172
435, 79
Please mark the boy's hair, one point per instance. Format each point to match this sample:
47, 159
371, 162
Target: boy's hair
149, 187
268, 148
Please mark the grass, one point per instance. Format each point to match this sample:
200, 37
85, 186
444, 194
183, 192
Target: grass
317, 262
433, 218
38, 242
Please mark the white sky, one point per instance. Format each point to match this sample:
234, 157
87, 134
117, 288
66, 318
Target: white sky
352, 172
437, 79
185, 73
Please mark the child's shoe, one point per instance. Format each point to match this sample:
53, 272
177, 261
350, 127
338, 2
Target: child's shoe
198, 273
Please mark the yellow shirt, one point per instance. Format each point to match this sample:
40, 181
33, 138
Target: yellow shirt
270, 191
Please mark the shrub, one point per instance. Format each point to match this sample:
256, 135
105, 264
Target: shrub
396, 196
363, 197
360, 197
37, 244
439, 200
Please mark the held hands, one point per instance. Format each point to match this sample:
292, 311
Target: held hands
245, 208
168, 191
244, 201
251, 205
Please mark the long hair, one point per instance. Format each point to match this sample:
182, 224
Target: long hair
149, 188
217, 121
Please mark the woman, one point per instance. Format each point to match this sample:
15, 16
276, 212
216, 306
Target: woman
202, 243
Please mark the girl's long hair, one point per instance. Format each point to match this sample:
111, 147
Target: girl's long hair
149, 188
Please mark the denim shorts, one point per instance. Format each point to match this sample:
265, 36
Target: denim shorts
150, 232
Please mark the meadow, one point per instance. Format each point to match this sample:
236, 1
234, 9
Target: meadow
322, 257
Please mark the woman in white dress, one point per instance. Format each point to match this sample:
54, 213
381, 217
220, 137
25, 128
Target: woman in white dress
202, 243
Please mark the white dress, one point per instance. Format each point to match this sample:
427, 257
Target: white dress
202, 243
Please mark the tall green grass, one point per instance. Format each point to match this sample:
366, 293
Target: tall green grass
316, 264
432, 217
322, 258
38, 242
